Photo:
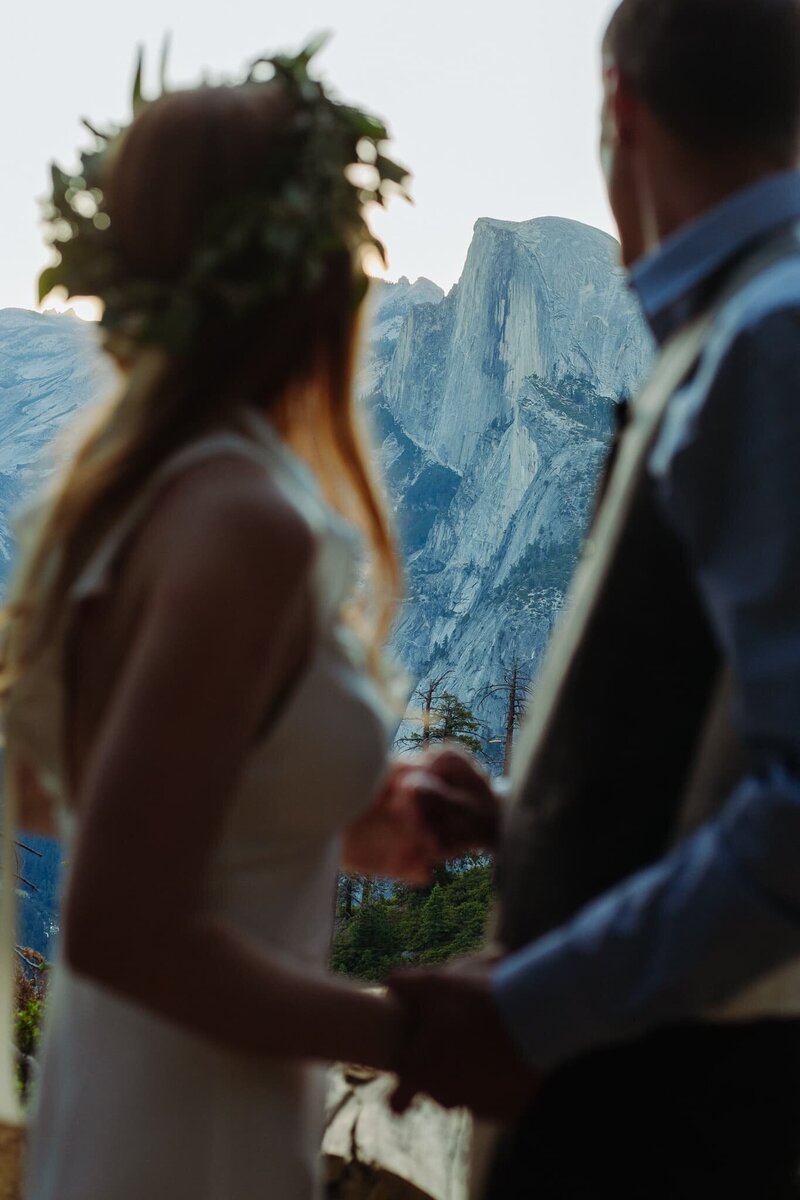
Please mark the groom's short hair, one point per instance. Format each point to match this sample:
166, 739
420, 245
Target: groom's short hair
722, 75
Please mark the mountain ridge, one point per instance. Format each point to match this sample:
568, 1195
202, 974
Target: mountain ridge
494, 408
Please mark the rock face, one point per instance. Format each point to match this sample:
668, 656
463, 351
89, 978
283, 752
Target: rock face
50, 369
493, 407
371, 1154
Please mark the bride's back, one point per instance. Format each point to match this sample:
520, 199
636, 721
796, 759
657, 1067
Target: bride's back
114, 589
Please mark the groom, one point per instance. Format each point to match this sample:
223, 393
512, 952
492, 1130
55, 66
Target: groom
642, 1032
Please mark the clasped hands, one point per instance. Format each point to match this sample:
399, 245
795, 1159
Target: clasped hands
430, 807
456, 1048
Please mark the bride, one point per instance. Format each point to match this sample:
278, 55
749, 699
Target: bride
191, 666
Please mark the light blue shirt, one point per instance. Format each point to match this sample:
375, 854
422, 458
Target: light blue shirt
724, 908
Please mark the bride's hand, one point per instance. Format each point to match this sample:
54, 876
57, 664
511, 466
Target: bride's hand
429, 808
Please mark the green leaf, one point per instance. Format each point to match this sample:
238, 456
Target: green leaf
365, 125
60, 180
49, 278
98, 133
314, 46
137, 99
163, 62
389, 169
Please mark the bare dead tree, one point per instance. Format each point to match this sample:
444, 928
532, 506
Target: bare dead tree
426, 694
515, 685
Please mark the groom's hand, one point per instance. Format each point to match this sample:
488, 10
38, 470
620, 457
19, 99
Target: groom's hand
459, 1052
463, 811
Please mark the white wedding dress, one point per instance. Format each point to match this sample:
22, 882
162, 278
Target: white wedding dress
132, 1107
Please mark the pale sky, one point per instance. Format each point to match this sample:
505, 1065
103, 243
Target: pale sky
492, 103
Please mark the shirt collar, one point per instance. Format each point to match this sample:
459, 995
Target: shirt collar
670, 281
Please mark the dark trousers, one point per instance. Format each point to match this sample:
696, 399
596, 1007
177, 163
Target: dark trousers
694, 1111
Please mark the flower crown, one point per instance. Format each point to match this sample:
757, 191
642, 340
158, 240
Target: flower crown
255, 245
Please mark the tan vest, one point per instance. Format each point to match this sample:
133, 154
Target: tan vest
629, 744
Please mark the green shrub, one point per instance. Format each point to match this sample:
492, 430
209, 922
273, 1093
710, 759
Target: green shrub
416, 928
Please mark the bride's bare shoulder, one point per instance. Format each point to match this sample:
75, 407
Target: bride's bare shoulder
227, 515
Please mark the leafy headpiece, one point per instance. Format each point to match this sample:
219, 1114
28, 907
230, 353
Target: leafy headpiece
255, 245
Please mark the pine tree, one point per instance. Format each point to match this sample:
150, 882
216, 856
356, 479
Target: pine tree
435, 926
444, 717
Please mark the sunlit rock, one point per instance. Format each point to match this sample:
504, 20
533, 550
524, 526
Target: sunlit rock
494, 406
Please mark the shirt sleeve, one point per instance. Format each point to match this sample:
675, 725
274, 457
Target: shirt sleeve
724, 908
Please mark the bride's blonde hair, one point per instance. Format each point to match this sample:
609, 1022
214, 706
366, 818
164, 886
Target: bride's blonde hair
183, 156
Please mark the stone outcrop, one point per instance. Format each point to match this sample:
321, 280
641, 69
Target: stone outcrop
369, 1153
493, 407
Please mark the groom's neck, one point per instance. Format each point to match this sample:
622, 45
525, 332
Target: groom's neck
677, 186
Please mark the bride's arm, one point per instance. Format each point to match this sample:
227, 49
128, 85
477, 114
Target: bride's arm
232, 565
